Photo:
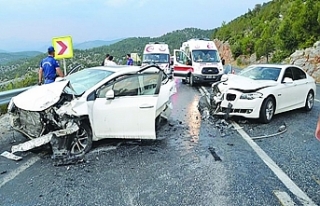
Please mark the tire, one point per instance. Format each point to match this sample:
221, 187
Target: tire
309, 101
158, 122
267, 110
184, 81
191, 80
82, 141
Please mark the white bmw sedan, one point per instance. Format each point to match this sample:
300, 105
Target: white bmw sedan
263, 90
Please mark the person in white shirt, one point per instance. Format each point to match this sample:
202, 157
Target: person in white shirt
110, 62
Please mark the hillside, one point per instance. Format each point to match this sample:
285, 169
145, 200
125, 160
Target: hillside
93, 44
275, 29
94, 57
6, 57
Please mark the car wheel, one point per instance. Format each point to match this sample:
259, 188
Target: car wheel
158, 122
267, 110
82, 141
191, 80
309, 101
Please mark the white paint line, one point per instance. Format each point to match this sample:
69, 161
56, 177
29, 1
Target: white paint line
283, 177
284, 198
317, 100
11, 175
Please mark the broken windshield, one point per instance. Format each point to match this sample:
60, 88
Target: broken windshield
83, 80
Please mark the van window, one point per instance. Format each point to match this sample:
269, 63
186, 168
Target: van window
205, 56
156, 58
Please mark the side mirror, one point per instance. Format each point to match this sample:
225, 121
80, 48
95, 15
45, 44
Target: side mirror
288, 80
224, 78
110, 94
171, 63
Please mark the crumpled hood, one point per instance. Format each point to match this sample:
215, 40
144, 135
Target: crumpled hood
245, 84
39, 98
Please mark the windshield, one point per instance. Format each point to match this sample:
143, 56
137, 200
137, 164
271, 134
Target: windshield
261, 73
156, 58
205, 56
83, 80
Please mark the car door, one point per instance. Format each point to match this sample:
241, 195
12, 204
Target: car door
180, 61
131, 113
300, 86
285, 96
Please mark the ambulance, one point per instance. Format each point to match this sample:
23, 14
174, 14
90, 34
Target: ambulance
197, 61
157, 53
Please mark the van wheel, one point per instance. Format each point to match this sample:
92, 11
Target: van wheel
267, 110
309, 101
191, 80
184, 81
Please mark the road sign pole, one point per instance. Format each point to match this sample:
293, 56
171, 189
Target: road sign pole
65, 67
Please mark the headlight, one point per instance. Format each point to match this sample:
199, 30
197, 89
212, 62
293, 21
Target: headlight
251, 96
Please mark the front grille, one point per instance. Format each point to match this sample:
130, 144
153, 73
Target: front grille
210, 70
231, 97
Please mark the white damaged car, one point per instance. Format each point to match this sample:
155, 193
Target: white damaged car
263, 90
96, 103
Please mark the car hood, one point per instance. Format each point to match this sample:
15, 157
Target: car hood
39, 98
245, 84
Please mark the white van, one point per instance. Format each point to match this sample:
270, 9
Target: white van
198, 61
157, 53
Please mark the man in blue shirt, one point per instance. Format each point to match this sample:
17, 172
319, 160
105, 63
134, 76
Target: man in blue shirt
49, 68
129, 60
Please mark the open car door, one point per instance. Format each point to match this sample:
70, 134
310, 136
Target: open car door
181, 64
126, 107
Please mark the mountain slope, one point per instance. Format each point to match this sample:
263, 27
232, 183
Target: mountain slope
276, 29
96, 43
13, 56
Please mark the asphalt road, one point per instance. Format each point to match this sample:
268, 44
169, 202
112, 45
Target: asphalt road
195, 164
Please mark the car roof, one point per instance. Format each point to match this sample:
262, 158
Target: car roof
118, 68
274, 65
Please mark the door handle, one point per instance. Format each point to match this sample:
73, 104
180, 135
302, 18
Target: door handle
146, 106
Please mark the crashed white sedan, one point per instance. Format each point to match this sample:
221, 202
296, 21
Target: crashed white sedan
263, 90
92, 104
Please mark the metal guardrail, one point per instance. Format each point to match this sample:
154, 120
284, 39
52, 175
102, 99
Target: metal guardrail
6, 96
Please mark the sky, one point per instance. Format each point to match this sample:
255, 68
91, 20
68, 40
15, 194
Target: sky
30, 24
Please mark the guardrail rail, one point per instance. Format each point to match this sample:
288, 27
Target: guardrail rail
6, 96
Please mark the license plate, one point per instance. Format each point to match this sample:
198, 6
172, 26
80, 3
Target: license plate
210, 77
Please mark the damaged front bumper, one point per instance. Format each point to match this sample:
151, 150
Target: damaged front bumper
57, 140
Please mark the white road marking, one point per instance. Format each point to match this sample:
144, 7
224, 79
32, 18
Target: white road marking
317, 100
11, 175
283, 177
284, 198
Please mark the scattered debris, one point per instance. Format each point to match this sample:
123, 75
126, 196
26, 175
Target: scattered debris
3, 172
11, 156
282, 129
214, 154
57, 141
